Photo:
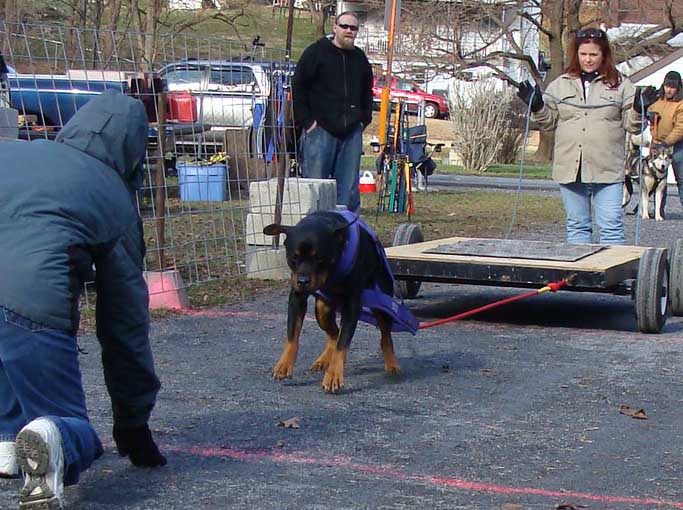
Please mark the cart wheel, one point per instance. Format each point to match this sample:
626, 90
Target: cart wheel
652, 290
676, 278
407, 233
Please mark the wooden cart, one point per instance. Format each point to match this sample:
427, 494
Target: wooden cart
652, 276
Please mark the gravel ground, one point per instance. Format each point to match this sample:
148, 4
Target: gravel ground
517, 408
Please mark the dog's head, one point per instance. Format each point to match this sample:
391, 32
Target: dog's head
659, 158
313, 248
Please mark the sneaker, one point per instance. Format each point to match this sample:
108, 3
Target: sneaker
40, 457
8, 460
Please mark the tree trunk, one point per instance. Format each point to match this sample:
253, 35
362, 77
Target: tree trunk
544, 153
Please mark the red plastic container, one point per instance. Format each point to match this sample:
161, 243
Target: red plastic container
182, 107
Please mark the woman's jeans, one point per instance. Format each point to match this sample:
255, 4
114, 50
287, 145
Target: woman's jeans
578, 197
327, 157
40, 377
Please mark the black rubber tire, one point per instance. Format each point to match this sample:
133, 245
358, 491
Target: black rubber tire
407, 233
652, 290
676, 278
432, 110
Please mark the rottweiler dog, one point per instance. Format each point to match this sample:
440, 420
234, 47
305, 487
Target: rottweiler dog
338, 259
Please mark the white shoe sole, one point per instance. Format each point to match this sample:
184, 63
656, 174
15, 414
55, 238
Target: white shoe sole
33, 457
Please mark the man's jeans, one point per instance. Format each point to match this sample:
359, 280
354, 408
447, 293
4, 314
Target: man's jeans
606, 199
40, 377
678, 168
328, 157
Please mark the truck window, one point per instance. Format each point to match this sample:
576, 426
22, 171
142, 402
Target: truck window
237, 79
184, 75
404, 85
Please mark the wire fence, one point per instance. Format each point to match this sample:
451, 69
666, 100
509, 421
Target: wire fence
220, 121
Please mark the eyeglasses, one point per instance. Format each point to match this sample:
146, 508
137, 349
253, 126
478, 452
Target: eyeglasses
591, 33
344, 26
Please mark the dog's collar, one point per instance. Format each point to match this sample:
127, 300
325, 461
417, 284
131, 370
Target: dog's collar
350, 252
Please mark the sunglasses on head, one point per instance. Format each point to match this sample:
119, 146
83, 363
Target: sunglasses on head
591, 33
353, 28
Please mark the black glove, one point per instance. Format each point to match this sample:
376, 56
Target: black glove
526, 91
137, 443
644, 98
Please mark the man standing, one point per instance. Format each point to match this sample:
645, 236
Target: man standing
668, 128
332, 95
68, 206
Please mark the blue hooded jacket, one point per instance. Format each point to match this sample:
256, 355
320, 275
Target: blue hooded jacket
67, 206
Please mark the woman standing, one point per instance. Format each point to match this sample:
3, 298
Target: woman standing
589, 107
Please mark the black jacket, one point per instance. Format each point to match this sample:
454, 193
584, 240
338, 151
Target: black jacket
333, 87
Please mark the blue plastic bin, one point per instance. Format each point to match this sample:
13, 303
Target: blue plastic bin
202, 183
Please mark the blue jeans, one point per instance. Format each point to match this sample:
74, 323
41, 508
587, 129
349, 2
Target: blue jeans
606, 199
677, 165
327, 157
40, 377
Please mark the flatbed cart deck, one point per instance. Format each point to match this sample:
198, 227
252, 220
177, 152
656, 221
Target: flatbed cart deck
639, 271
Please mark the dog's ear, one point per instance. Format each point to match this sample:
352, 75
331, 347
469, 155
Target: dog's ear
275, 229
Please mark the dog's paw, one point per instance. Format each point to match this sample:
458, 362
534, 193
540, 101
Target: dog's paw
333, 381
283, 370
659, 218
393, 369
319, 365
322, 362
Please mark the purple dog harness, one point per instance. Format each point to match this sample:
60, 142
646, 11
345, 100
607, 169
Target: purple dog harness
402, 318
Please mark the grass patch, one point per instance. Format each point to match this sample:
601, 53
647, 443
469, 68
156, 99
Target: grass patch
531, 171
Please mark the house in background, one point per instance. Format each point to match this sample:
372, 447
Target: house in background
414, 59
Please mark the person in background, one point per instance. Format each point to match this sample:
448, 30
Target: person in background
332, 97
589, 108
667, 130
68, 206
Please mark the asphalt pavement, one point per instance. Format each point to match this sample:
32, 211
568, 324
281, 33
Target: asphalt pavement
517, 408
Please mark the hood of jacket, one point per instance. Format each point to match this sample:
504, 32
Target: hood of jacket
112, 128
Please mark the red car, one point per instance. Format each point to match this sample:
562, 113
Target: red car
435, 106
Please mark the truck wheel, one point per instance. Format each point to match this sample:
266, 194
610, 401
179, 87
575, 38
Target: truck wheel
432, 111
652, 290
676, 278
407, 233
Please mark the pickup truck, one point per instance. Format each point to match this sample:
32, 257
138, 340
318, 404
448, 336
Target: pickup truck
435, 106
47, 102
229, 93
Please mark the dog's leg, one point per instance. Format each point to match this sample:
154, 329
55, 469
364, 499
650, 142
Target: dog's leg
644, 198
334, 375
391, 365
659, 199
324, 314
296, 310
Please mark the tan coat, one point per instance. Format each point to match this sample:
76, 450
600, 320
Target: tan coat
669, 127
590, 139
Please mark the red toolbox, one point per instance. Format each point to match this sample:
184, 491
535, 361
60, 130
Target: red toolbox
182, 107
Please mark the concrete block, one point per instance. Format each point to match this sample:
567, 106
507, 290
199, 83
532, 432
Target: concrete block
166, 290
300, 197
256, 222
266, 263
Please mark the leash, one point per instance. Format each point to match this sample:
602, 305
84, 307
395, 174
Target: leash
550, 287
521, 166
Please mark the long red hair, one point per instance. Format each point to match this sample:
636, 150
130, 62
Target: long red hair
607, 70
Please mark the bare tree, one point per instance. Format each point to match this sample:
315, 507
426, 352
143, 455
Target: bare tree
320, 12
452, 38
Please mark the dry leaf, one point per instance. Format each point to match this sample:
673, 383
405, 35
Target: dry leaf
638, 414
569, 506
512, 506
292, 423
